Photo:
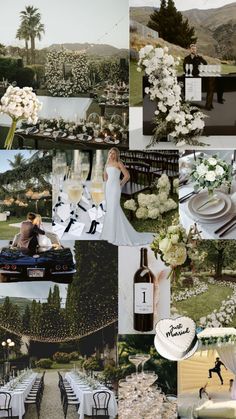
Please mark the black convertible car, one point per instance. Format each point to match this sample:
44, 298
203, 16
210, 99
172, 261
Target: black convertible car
55, 264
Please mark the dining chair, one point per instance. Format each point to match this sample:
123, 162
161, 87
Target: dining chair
101, 401
67, 401
5, 403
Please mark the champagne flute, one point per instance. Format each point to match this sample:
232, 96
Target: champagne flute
97, 193
74, 190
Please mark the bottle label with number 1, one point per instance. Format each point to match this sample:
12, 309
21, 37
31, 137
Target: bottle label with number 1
143, 298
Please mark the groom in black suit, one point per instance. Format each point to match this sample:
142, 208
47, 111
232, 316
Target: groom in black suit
217, 370
28, 234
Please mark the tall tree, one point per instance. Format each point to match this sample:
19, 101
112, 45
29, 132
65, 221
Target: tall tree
18, 161
31, 22
24, 34
171, 25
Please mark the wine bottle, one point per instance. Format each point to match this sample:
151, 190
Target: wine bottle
143, 295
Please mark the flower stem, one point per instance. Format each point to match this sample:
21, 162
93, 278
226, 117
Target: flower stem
10, 135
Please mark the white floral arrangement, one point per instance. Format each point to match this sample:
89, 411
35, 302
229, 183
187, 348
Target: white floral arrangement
19, 104
223, 316
153, 205
176, 186
198, 288
55, 77
211, 173
174, 117
175, 247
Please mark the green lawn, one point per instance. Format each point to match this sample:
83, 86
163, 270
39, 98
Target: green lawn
136, 93
6, 231
203, 304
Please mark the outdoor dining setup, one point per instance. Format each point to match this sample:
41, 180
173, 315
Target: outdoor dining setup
21, 391
88, 395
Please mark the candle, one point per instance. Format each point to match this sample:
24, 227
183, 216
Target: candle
124, 119
232, 160
101, 122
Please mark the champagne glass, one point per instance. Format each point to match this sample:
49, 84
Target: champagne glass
136, 361
74, 190
190, 70
85, 168
144, 358
97, 193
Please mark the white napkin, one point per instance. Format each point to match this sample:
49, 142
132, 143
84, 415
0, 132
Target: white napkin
63, 211
76, 229
58, 229
86, 201
95, 213
99, 227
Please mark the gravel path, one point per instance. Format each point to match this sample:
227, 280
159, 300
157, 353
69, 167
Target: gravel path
51, 407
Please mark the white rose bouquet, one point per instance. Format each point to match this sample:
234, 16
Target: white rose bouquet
19, 104
211, 173
175, 247
173, 116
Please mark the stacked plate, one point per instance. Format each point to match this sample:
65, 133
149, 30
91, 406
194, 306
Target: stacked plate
209, 209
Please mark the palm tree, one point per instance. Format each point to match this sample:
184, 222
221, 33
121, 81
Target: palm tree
18, 161
31, 21
23, 33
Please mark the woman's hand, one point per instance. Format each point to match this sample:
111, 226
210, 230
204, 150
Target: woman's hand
125, 173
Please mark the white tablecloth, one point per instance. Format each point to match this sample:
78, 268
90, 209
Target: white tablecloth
86, 398
19, 396
68, 108
138, 141
207, 230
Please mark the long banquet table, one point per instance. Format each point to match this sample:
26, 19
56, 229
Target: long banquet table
85, 396
19, 394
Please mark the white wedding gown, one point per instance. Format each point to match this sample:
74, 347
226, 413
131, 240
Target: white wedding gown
44, 241
116, 228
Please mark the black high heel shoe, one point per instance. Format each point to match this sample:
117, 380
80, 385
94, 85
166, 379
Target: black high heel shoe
91, 227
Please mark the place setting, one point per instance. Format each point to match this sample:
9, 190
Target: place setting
207, 196
79, 207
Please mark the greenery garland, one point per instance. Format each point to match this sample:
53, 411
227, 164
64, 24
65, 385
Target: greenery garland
214, 340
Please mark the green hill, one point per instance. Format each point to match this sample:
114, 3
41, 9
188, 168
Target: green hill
215, 28
19, 301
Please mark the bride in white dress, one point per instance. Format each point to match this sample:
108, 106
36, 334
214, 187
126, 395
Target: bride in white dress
116, 228
43, 241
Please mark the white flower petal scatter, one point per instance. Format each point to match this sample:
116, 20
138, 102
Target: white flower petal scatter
174, 117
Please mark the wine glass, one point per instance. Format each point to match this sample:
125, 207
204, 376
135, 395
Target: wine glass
74, 190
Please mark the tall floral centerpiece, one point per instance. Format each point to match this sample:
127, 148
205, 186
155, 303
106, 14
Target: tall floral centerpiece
211, 173
173, 117
19, 104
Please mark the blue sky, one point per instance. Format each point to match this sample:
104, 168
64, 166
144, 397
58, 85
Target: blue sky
9, 154
184, 4
70, 21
